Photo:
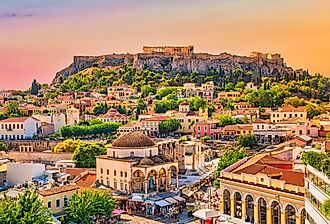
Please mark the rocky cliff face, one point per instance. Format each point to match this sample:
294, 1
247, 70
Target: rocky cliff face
184, 64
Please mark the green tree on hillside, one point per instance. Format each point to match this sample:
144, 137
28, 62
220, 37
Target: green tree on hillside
168, 126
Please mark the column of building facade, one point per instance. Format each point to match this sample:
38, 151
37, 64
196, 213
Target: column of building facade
157, 183
298, 219
232, 207
146, 186
243, 210
221, 205
283, 220
256, 212
269, 215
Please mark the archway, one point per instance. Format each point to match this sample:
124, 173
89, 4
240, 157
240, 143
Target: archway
162, 180
262, 211
276, 212
152, 178
138, 181
249, 208
226, 202
238, 205
290, 214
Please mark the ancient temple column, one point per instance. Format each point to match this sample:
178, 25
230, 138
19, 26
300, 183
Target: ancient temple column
298, 219
169, 180
232, 207
283, 220
269, 215
177, 180
243, 209
256, 213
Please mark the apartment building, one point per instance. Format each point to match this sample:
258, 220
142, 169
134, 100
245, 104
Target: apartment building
18, 128
287, 112
317, 186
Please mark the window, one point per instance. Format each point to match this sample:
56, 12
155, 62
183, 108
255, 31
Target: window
58, 203
65, 201
115, 173
125, 174
113, 154
121, 186
301, 115
108, 172
121, 173
258, 126
205, 128
101, 170
198, 128
115, 185
108, 183
49, 205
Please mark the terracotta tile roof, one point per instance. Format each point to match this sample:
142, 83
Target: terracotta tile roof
74, 172
17, 119
57, 190
292, 109
85, 179
261, 121
289, 176
157, 118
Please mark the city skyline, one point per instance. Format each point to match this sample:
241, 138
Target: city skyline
39, 38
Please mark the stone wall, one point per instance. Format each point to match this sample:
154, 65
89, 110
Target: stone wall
37, 145
42, 157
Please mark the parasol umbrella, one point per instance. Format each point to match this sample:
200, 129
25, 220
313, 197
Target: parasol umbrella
118, 211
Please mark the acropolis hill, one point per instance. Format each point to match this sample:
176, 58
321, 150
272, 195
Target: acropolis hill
183, 60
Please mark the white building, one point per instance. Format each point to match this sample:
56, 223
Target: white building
58, 120
17, 128
20, 173
317, 187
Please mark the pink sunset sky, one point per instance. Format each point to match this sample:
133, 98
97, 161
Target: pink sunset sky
40, 37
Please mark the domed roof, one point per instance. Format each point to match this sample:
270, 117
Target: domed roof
146, 161
133, 140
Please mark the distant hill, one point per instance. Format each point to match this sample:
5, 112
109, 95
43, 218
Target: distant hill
184, 64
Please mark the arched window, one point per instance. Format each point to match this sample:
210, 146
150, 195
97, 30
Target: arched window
290, 214
101, 170
226, 202
132, 154
249, 208
262, 211
113, 154
108, 172
276, 212
238, 205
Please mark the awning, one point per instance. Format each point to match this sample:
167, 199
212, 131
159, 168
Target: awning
162, 203
180, 199
136, 198
205, 214
171, 200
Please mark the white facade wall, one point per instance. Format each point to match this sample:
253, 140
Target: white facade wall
19, 130
19, 173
